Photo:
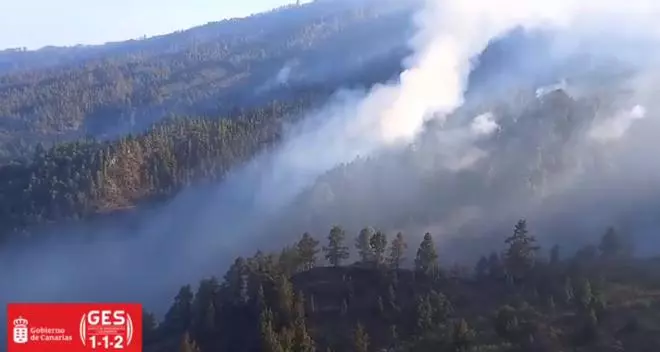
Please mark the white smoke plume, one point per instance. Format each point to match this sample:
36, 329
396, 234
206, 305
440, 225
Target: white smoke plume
616, 127
284, 74
457, 148
545, 90
451, 34
484, 124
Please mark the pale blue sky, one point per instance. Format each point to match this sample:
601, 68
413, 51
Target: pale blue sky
36, 23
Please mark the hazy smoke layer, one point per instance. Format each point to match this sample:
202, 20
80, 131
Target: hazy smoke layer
451, 35
204, 229
616, 127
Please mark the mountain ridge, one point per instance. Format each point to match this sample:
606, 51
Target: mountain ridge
207, 70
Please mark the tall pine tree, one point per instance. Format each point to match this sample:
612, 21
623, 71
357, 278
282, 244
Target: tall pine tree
307, 250
336, 252
187, 344
378, 243
360, 339
269, 337
397, 251
363, 244
426, 260
521, 254
179, 317
302, 341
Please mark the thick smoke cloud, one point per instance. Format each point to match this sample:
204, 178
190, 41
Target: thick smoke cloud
201, 231
616, 127
451, 36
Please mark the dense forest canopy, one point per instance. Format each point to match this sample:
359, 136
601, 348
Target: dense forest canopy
116, 88
63, 124
395, 298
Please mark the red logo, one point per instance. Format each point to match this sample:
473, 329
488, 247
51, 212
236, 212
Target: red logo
74, 327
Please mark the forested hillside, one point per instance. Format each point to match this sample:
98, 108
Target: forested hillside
541, 161
78, 179
89, 130
66, 113
237, 136
59, 94
524, 298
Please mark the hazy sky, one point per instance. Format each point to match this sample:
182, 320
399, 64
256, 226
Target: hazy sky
36, 23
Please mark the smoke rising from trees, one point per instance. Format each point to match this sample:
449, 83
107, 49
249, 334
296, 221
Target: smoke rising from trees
200, 231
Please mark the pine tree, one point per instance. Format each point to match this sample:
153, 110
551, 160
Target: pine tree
427, 256
424, 312
441, 307
613, 245
149, 326
585, 295
363, 244
203, 317
302, 341
554, 255
397, 251
269, 338
179, 317
244, 290
336, 252
261, 299
521, 254
378, 243
287, 337
307, 251
235, 280
481, 270
360, 339
286, 298
187, 344
462, 336
506, 323
289, 260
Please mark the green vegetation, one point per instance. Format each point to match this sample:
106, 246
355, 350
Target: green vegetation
548, 306
83, 178
91, 130
61, 94
65, 157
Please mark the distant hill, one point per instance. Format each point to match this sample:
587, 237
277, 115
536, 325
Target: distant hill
57, 94
65, 118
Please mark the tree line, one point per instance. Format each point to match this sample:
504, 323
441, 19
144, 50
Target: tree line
208, 70
287, 302
76, 180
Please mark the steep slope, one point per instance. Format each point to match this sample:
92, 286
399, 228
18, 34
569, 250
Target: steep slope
418, 186
521, 156
108, 90
291, 61
587, 302
80, 179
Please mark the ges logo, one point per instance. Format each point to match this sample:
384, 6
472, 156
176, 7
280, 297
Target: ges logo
106, 322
